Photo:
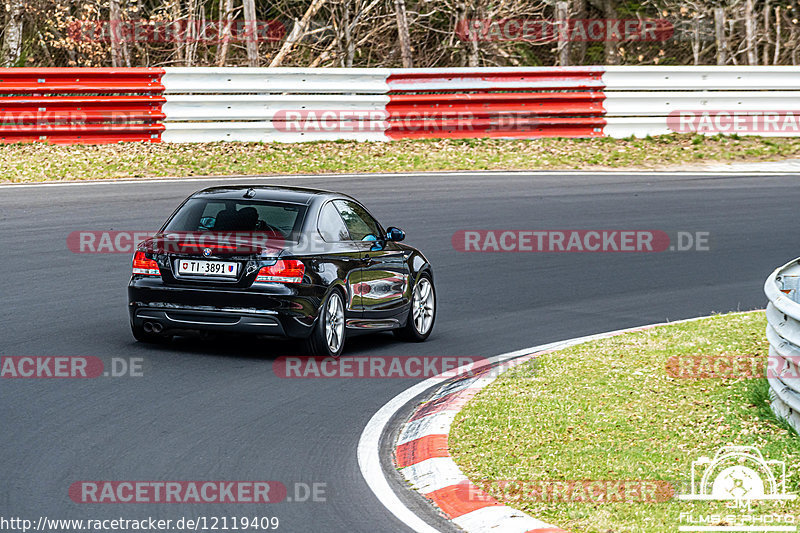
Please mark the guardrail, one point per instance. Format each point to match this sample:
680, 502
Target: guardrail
783, 331
648, 100
278, 104
496, 102
81, 105
300, 104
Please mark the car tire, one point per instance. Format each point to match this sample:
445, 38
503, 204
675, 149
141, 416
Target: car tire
329, 333
422, 314
142, 336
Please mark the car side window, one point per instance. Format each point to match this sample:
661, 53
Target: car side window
331, 226
359, 223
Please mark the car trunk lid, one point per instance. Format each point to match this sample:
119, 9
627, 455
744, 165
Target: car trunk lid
212, 258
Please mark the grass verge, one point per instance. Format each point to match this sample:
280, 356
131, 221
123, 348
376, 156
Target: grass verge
43, 162
611, 410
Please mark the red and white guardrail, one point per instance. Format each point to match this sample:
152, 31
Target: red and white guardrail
81, 105
95, 105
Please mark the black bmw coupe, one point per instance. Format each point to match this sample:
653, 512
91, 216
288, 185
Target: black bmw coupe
279, 261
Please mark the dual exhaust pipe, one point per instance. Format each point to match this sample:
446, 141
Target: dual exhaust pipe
153, 327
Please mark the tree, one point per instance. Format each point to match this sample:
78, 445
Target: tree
402, 33
119, 47
297, 33
611, 52
226, 19
251, 33
12, 40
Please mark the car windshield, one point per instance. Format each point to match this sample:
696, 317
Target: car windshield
225, 215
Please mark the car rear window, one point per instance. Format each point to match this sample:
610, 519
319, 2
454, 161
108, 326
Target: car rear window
220, 215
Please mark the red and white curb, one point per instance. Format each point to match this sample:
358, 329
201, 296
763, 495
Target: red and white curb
422, 455
423, 458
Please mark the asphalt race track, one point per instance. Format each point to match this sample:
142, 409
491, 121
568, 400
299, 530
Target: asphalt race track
216, 411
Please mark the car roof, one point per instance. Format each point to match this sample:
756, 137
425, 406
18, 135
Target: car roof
297, 195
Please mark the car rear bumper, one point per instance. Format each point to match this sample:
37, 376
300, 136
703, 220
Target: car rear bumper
191, 319
291, 314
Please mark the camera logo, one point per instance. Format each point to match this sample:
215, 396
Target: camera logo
738, 473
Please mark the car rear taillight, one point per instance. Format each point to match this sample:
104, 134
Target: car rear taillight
143, 265
283, 271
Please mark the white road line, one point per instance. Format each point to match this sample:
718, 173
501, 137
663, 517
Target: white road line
531, 173
370, 463
369, 444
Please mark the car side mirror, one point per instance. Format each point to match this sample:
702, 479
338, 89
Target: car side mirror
395, 234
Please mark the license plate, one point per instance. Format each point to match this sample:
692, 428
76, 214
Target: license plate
207, 268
